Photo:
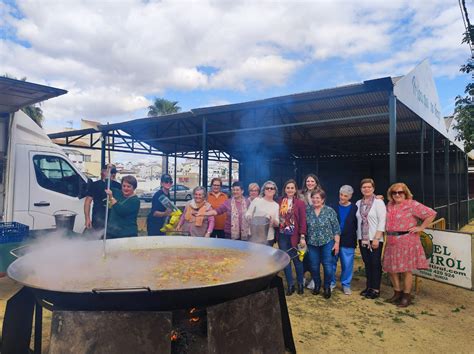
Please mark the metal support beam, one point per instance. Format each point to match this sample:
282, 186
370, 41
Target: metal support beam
422, 160
200, 167
392, 116
102, 149
230, 171
433, 185
446, 180
165, 164
458, 196
466, 164
205, 153
174, 174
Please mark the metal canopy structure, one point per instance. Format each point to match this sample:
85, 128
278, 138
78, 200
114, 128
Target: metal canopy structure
295, 126
343, 134
15, 94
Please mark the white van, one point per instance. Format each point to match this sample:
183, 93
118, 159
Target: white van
36, 177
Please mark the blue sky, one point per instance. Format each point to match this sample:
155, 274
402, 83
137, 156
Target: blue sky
115, 57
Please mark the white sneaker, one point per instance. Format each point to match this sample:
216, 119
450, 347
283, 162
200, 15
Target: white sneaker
332, 286
310, 285
346, 290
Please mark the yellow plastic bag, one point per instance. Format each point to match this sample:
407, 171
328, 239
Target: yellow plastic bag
170, 226
301, 252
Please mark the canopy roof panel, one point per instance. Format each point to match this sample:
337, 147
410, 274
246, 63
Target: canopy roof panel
16, 94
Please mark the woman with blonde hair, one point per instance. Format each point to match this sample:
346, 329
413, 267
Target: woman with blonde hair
254, 191
403, 251
266, 206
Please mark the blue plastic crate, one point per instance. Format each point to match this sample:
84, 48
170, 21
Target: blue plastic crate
11, 232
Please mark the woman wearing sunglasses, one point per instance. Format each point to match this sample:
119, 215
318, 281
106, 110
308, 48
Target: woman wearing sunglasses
266, 206
404, 252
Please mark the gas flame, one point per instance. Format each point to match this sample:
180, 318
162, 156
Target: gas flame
193, 319
174, 336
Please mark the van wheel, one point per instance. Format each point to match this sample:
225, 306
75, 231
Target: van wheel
188, 197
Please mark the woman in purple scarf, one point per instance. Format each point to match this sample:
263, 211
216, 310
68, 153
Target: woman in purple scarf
371, 215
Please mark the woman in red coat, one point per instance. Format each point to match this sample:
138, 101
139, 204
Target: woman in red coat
292, 232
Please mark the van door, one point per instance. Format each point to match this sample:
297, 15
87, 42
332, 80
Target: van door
55, 185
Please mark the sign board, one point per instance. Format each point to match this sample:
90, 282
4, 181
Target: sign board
451, 261
417, 91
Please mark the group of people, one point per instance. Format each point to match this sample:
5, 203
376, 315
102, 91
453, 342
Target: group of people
298, 220
123, 205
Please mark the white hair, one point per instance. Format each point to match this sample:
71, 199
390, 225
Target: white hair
200, 188
346, 189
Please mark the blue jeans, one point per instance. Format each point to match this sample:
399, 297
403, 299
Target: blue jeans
284, 243
318, 255
346, 254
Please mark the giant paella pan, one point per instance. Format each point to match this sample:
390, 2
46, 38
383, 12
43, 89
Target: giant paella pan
146, 273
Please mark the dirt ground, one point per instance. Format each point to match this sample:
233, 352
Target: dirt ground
441, 319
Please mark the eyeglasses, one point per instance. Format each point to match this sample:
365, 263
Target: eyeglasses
398, 192
216, 185
269, 188
167, 181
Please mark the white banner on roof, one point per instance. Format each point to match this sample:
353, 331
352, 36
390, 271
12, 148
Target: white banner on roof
417, 91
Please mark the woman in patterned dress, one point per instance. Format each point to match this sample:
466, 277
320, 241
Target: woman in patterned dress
404, 252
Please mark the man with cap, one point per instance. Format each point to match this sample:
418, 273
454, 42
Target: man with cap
159, 212
96, 195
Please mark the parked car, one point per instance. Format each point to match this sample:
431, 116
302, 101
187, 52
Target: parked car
182, 193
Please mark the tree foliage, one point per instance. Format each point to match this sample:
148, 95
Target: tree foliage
464, 104
163, 106
33, 111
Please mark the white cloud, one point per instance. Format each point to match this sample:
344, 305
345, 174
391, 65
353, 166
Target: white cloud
110, 55
267, 71
432, 32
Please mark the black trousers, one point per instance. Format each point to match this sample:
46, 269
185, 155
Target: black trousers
218, 234
373, 265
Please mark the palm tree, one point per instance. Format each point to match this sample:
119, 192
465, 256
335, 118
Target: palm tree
162, 106
32, 111
35, 113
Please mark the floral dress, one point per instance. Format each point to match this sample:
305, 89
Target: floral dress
405, 253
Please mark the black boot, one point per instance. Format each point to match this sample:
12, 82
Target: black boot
316, 290
372, 294
290, 290
300, 289
327, 293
